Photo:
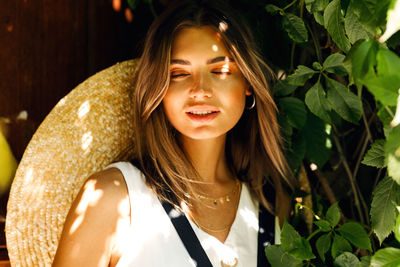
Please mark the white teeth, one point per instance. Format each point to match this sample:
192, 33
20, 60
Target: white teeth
201, 112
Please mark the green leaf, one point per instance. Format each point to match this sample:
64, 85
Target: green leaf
295, 111
375, 156
339, 246
344, 102
387, 257
302, 250
392, 153
370, 12
356, 234
393, 22
346, 259
363, 59
283, 88
317, 66
133, 4
300, 76
294, 244
323, 225
333, 214
334, 64
316, 5
318, 143
386, 115
295, 28
356, 30
396, 229
388, 63
385, 196
334, 23
288, 237
277, 257
317, 102
323, 244
365, 262
319, 18
384, 88
272, 9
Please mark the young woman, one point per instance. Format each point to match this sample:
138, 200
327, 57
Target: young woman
207, 142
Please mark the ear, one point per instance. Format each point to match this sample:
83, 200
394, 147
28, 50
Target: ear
248, 91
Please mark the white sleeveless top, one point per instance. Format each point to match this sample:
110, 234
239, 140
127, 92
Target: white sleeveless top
153, 240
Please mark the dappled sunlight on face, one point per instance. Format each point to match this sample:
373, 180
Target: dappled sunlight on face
90, 198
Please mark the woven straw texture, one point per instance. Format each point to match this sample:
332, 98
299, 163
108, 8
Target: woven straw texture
87, 130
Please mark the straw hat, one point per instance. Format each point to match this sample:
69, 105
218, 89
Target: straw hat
87, 130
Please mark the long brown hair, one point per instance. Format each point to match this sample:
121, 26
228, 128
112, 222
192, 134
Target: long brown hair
253, 146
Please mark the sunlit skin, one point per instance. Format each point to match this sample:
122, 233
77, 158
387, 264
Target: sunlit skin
203, 77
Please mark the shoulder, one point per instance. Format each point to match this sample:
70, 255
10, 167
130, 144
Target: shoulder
104, 194
91, 224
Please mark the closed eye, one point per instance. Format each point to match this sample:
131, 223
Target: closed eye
178, 75
222, 72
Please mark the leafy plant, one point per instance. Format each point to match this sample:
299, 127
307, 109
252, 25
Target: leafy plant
338, 94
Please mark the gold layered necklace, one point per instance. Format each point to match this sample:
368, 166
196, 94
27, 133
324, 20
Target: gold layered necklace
237, 189
223, 199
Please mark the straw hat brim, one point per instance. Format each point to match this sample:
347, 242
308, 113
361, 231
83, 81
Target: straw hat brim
87, 130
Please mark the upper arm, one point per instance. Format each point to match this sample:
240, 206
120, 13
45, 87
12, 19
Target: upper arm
90, 228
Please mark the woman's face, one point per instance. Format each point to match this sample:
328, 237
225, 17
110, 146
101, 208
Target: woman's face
207, 91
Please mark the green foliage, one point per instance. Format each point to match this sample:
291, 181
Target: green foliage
383, 208
295, 111
333, 214
375, 156
392, 153
277, 257
387, 257
343, 72
346, 259
300, 76
354, 233
317, 102
295, 28
323, 245
334, 23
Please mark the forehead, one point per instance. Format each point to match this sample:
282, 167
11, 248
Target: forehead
198, 40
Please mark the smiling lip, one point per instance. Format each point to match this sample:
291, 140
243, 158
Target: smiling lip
190, 112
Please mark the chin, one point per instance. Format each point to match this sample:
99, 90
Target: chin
202, 135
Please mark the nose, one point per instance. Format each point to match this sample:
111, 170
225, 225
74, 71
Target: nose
201, 87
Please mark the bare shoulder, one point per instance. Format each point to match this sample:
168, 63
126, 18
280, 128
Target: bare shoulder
90, 229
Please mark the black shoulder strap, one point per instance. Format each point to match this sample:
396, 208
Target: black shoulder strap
196, 251
187, 235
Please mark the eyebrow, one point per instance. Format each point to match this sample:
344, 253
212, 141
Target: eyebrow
210, 61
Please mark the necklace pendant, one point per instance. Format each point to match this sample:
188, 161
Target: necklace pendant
215, 202
230, 264
228, 198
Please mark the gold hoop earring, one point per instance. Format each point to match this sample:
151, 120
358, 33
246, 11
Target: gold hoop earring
253, 104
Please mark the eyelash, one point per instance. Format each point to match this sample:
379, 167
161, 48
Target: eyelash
185, 74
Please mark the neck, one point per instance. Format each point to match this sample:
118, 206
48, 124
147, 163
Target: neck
208, 158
